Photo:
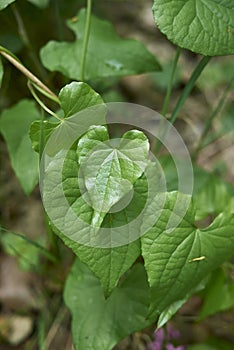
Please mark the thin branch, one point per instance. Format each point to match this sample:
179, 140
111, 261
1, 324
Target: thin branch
86, 40
13, 60
189, 86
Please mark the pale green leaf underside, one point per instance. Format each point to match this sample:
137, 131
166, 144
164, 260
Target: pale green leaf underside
169, 257
98, 323
5, 3
39, 3
202, 26
107, 55
14, 125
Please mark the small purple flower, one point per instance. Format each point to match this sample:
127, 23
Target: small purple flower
159, 335
172, 333
163, 337
172, 347
158, 340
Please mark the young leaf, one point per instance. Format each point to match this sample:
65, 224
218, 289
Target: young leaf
177, 261
14, 126
108, 55
99, 323
204, 27
1, 71
75, 97
110, 168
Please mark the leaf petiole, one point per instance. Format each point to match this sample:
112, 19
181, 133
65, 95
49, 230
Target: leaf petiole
45, 93
169, 88
30, 86
188, 88
86, 39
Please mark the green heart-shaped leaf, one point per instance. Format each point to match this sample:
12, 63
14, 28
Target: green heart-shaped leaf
110, 168
74, 97
108, 264
202, 26
177, 261
77, 96
107, 54
98, 323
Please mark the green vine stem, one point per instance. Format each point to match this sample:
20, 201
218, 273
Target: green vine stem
30, 86
172, 77
188, 88
16, 62
86, 40
212, 116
